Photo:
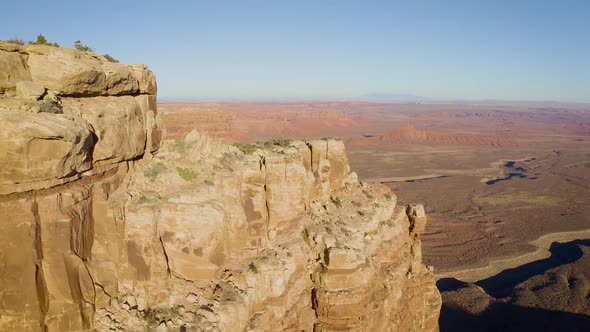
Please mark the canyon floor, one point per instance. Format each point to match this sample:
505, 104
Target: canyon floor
505, 186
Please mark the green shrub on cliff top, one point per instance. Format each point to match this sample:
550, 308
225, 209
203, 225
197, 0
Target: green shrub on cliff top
81, 47
283, 142
41, 40
186, 173
15, 41
245, 148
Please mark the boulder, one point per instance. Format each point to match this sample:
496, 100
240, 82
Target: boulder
39, 148
12, 71
118, 123
417, 217
67, 71
121, 80
30, 90
147, 80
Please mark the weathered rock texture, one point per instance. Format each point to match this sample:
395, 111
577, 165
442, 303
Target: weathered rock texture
99, 232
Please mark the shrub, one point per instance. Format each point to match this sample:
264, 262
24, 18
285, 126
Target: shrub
265, 144
337, 202
183, 147
186, 173
153, 172
245, 148
110, 58
81, 47
252, 268
283, 142
15, 41
41, 40
305, 235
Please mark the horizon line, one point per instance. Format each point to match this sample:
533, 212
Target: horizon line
384, 100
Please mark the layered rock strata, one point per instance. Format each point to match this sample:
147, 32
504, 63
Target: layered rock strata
105, 227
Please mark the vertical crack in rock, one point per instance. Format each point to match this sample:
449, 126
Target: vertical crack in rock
38, 242
41, 286
310, 147
80, 212
266, 195
165, 256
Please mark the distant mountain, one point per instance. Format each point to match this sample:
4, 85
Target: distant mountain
387, 97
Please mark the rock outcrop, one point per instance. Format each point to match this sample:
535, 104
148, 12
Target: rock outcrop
412, 135
106, 227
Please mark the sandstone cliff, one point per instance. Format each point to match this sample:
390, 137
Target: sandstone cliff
106, 227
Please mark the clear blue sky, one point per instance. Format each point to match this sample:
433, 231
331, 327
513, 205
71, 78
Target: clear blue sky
522, 50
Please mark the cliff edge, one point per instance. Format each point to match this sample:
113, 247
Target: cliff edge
105, 226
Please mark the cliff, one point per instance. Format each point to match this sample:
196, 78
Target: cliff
105, 226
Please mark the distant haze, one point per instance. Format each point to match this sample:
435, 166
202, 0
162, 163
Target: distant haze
376, 50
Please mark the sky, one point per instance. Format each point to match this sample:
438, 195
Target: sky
443, 50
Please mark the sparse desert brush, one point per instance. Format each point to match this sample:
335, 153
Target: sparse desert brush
264, 144
283, 142
246, 148
252, 268
110, 58
186, 173
41, 40
81, 47
155, 170
15, 41
183, 147
336, 201
305, 235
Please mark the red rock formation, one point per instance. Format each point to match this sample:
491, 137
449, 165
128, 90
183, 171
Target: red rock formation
412, 135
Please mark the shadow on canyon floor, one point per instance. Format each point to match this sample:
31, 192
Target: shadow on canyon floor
501, 284
474, 310
509, 317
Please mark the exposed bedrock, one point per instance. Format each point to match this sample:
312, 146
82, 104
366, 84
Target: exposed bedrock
106, 226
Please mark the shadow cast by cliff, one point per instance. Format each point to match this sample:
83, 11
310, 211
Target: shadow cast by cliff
508, 317
501, 284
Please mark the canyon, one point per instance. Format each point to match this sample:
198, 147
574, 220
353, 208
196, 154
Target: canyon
108, 224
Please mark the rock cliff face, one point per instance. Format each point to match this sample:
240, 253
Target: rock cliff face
105, 226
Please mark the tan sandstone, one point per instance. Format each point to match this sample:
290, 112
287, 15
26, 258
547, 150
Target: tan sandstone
107, 226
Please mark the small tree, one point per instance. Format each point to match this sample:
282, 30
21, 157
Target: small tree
41, 40
81, 47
